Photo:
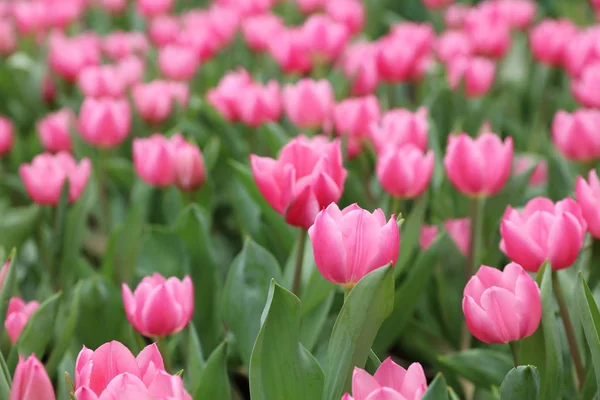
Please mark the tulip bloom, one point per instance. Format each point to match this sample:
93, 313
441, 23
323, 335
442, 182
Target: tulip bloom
310, 6
309, 104
582, 51
153, 160
576, 135
585, 88
455, 15
31, 381
437, 4
68, 56
476, 73
543, 231
260, 29
549, 40
502, 306
164, 30
188, 163
17, 315
154, 101
4, 273
177, 63
104, 123
131, 70
6, 135
588, 197
489, 32
353, 117
539, 176
452, 45
350, 13
360, 66
257, 104
307, 176
154, 8
101, 81
478, 167
114, 6
120, 44
159, 306
350, 243
225, 97
390, 382
326, 38
405, 172
291, 50
45, 177
399, 127
459, 230
8, 37
54, 128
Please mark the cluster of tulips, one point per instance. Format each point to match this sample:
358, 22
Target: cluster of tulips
435, 160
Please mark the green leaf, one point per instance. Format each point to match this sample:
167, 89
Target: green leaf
485, 368
410, 241
437, 390
369, 303
521, 383
195, 360
373, 363
17, 224
214, 381
120, 171
246, 292
7, 288
280, 367
5, 379
590, 319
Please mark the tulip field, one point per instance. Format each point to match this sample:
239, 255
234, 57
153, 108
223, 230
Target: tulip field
299, 199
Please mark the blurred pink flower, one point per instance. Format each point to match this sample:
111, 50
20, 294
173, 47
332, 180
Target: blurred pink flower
54, 130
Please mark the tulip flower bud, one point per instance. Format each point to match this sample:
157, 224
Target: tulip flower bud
257, 104
539, 176
17, 315
159, 306
154, 8
459, 230
350, 13
292, 51
178, 63
583, 88
153, 160
153, 101
31, 381
489, 31
104, 123
8, 37
577, 135
360, 65
399, 127
164, 30
4, 273
260, 29
309, 104
6, 135
224, 98
54, 130
405, 172
588, 197
68, 56
502, 306
325, 37
453, 45
475, 73
188, 163
549, 40
354, 117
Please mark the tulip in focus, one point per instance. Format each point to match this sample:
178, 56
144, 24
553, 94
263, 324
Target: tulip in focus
177, 63
543, 231
325, 37
259, 30
359, 62
399, 127
539, 176
225, 97
308, 103
586, 89
6, 135
502, 306
158, 306
354, 117
577, 135
405, 172
350, 243
475, 73
307, 177
101, 81
154, 8
390, 382
549, 40
478, 167
31, 381
459, 230
437, 4
45, 177
104, 123
588, 197
190, 172
54, 130
17, 315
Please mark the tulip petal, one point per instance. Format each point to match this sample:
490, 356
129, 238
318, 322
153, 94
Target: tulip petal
363, 384
161, 313
385, 394
520, 247
564, 241
501, 308
478, 321
110, 360
328, 248
389, 374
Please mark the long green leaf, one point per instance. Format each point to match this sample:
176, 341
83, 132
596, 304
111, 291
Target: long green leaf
485, 368
521, 383
590, 319
214, 381
410, 241
195, 360
7, 289
437, 390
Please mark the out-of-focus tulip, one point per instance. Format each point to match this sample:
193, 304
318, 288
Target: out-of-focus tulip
518, 13
114, 6
586, 88
399, 127
54, 130
308, 103
61, 13
67, 57
476, 73
502, 306
588, 197
31, 381
154, 8
259, 30
248, 8
437, 4
310, 6
4, 273
582, 51
354, 117
159, 306
153, 160
104, 122
453, 45
455, 15
360, 65
427, 235
405, 54
478, 167
489, 32
48, 90
390, 382
164, 30
326, 38
120, 44
131, 70
539, 176
307, 177
350, 13
405, 172
291, 50
543, 231
8, 37
549, 40
45, 177
459, 230
577, 135
6, 135
30, 17
225, 97
177, 63
190, 172
101, 81
154, 101
259, 104
17, 315
350, 243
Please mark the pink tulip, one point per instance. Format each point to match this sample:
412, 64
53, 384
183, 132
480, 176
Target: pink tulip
177, 63
61, 13
248, 7
159, 306
585, 88
543, 231
153, 160
459, 230
101, 81
153, 101
539, 176
45, 177
104, 123
225, 97
131, 70
6, 135
310, 6
455, 15
258, 104
405, 172
292, 51
114, 6
588, 197
354, 117
48, 90
478, 167
67, 57
54, 130
17, 315
518, 13
164, 30
489, 31
307, 176
213, 28
30, 17
576, 135
549, 40
390, 382
154, 8
437, 4
4, 273
582, 51
8, 37
31, 381
452, 45
359, 62
260, 29
188, 163
350, 243
502, 306
350, 13
309, 104
475, 73
405, 54
326, 38
399, 127
120, 44
427, 235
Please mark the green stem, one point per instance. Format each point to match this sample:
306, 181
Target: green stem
391, 92
296, 283
347, 290
594, 265
103, 192
570, 331
477, 208
514, 348
162, 344
395, 206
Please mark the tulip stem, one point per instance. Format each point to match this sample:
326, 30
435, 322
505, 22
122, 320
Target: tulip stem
103, 192
477, 208
514, 349
594, 265
296, 283
163, 347
564, 313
